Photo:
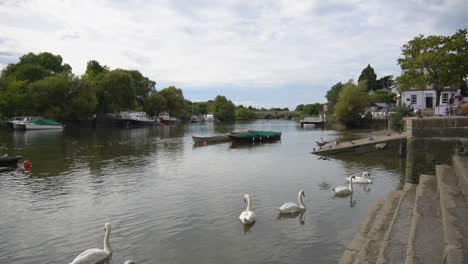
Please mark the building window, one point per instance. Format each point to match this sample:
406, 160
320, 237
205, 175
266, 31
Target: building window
413, 99
445, 97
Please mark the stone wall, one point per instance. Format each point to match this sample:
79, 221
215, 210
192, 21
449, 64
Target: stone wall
430, 127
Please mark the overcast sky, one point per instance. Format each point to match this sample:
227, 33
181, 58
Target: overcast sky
256, 52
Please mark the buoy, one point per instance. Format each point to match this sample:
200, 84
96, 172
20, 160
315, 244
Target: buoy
205, 142
27, 164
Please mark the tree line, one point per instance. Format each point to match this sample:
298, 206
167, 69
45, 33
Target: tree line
432, 62
43, 85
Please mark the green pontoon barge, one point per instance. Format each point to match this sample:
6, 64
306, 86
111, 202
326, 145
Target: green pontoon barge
254, 136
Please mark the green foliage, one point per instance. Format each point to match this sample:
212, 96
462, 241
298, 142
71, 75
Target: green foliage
351, 104
83, 100
384, 82
461, 150
14, 94
381, 96
222, 108
370, 77
199, 108
49, 97
243, 113
30, 72
438, 61
93, 69
155, 103
312, 109
396, 119
47, 60
116, 91
332, 96
175, 101
300, 108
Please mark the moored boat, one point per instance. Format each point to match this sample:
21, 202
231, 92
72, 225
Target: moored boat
256, 135
136, 119
6, 161
166, 119
42, 123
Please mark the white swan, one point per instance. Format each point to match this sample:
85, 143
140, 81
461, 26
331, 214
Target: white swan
129, 262
343, 190
247, 217
291, 208
364, 179
96, 255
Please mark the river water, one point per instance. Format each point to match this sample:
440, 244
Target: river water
171, 202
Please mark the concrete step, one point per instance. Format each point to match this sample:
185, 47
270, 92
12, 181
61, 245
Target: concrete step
454, 211
460, 166
395, 242
425, 242
355, 245
376, 230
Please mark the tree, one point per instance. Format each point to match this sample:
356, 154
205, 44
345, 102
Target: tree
369, 76
381, 96
93, 69
155, 103
47, 60
436, 61
332, 96
30, 72
243, 113
50, 96
312, 109
223, 109
83, 100
299, 108
351, 104
385, 82
175, 101
116, 91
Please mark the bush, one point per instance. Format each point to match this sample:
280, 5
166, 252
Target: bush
396, 120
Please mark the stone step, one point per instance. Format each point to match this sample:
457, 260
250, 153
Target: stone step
460, 166
425, 242
376, 229
355, 245
393, 249
454, 211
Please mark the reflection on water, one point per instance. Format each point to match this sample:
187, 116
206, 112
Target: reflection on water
169, 202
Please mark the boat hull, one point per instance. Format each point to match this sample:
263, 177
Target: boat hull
212, 139
9, 161
30, 126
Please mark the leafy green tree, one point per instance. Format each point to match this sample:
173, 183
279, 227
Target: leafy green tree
199, 108
83, 100
351, 104
223, 109
385, 82
155, 103
175, 101
312, 109
437, 61
30, 72
299, 108
143, 86
116, 91
381, 96
14, 97
50, 96
243, 113
369, 76
47, 60
93, 69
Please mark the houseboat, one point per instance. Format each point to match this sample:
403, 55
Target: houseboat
136, 119
166, 119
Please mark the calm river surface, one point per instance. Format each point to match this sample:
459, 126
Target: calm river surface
171, 202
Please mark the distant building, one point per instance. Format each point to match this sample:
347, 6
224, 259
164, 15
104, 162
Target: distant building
422, 99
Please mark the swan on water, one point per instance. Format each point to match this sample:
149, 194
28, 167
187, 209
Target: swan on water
96, 255
247, 216
365, 178
291, 208
129, 262
343, 190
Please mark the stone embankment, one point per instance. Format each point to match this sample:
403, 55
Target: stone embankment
423, 223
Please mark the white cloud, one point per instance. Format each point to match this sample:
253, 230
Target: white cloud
206, 44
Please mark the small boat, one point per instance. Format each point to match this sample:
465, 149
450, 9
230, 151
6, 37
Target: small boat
42, 123
211, 139
136, 119
209, 118
194, 119
166, 119
6, 161
18, 122
256, 135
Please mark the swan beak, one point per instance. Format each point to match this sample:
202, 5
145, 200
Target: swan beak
303, 194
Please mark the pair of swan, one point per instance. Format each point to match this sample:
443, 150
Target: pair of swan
96, 255
345, 190
248, 216
365, 178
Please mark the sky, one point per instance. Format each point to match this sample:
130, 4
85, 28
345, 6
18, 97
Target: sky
256, 52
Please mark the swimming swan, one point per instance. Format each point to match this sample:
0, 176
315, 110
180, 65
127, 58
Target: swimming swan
247, 217
364, 179
343, 190
96, 255
129, 262
291, 208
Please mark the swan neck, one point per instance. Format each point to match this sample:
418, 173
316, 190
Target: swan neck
351, 184
300, 198
106, 241
249, 208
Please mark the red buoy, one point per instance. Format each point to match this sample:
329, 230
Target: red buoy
27, 164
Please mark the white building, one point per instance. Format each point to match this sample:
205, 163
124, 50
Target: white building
422, 99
